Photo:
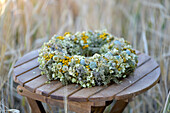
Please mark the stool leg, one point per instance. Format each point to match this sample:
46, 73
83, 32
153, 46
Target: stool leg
98, 109
36, 106
101, 108
119, 106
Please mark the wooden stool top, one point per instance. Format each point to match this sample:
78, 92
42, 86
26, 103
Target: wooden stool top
27, 74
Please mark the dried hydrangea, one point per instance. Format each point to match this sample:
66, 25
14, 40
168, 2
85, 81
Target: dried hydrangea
87, 58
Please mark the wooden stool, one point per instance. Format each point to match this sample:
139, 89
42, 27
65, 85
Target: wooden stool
82, 100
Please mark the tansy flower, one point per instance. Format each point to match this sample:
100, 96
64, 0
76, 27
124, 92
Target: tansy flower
85, 46
78, 61
75, 39
66, 33
60, 37
87, 67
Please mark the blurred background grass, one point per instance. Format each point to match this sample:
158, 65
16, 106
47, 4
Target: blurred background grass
26, 24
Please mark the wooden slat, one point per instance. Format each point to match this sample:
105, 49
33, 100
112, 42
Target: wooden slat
83, 94
25, 92
140, 86
27, 57
48, 88
83, 107
137, 52
65, 91
35, 83
22, 79
111, 91
26, 67
142, 58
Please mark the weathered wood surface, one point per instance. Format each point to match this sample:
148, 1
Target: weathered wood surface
36, 106
119, 106
49, 88
78, 107
65, 91
143, 84
27, 57
27, 74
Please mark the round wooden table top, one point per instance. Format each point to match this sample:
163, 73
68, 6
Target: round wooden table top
145, 76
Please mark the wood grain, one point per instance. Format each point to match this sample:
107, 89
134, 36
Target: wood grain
48, 88
65, 91
27, 57
142, 58
83, 94
26, 67
140, 86
24, 92
83, 107
28, 76
35, 83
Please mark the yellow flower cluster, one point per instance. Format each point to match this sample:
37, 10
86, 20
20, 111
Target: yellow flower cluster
85, 46
78, 61
75, 39
66, 60
132, 51
84, 38
88, 67
77, 74
104, 36
60, 37
60, 70
105, 58
48, 57
124, 59
66, 33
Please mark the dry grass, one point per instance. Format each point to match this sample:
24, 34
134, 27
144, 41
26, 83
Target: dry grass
26, 24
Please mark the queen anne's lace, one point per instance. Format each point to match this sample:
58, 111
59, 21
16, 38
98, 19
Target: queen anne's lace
87, 58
